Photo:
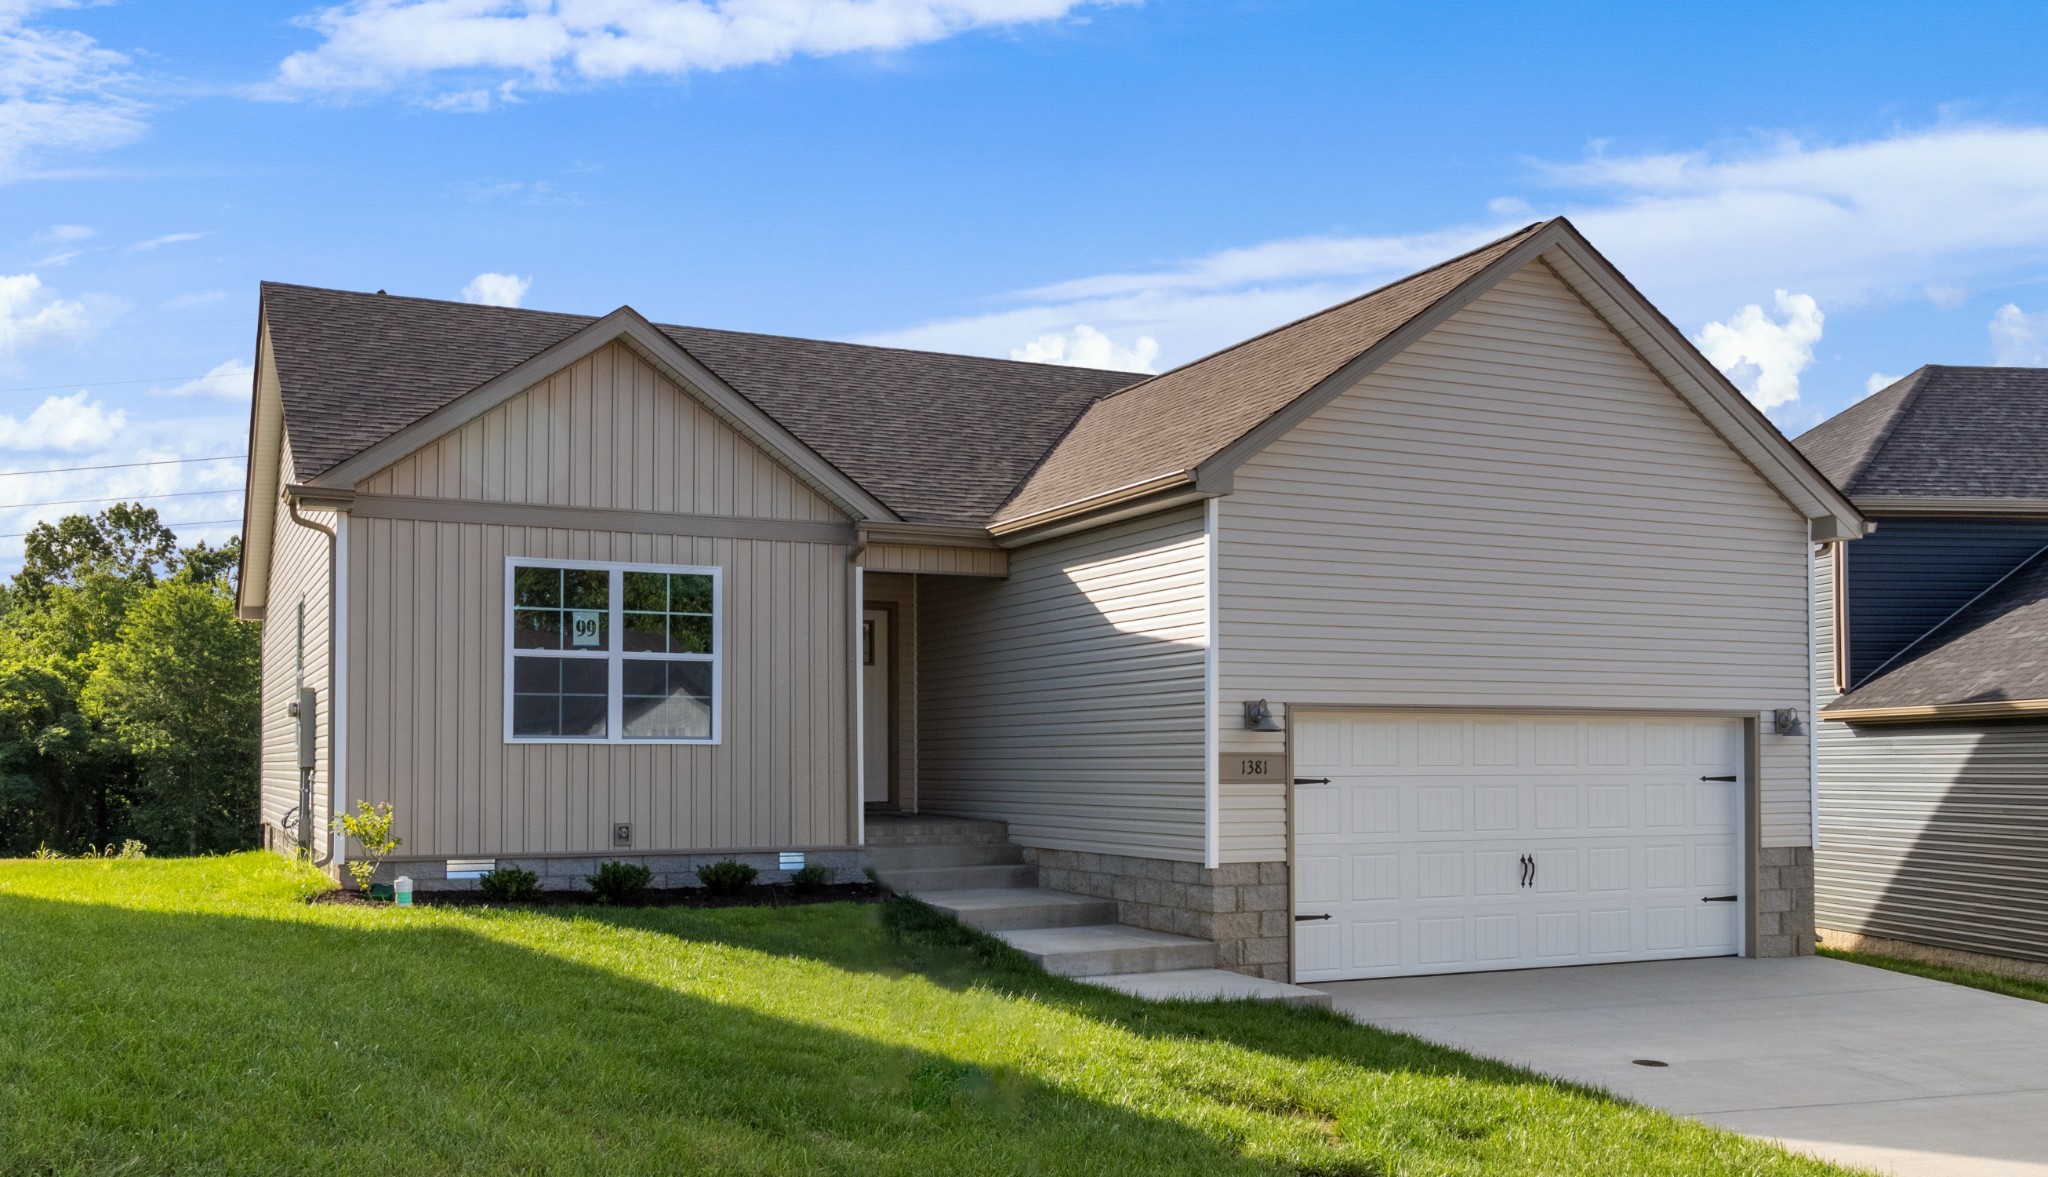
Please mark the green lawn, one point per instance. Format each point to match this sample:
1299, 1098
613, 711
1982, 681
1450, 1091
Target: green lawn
196, 1016
2010, 986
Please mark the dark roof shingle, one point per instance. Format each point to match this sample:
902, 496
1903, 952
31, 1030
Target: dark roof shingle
1994, 650
940, 438
1942, 431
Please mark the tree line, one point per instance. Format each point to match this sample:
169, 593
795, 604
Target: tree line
129, 693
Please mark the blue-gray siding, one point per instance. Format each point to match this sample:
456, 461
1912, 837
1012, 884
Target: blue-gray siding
1911, 573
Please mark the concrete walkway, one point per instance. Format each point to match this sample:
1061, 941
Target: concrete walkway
1868, 1067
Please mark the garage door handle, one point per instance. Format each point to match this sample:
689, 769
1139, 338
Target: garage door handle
1311, 780
1729, 779
1302, 919
1718, 899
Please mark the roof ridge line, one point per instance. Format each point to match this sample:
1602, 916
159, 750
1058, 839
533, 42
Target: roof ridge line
1906, 402
2015, 570
589, 318
1328, 310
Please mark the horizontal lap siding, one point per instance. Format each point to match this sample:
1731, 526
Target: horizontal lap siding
1514, 512
1910, 574
299, 569
1930, 833
607, 432
1936, 834
427, 720
1067, 699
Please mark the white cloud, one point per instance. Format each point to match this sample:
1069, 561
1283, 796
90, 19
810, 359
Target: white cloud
1878, 382
228, 380
167, 239
376, 45
496, 290
1849, 225
1085, 347
29, 316
71, 232
59, 91
67, 423
2019, 339
198, 492
1945, 296
1762, 355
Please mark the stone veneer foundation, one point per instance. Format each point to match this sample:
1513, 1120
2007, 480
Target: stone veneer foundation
1242, 906
1784, 901
1998, 966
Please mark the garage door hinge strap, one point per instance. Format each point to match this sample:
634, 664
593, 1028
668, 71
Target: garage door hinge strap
1718, 899
1311, 780
1729, 779
1302, 919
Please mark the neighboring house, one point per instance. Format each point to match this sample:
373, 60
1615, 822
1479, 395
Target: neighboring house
1934, 666
1513, 569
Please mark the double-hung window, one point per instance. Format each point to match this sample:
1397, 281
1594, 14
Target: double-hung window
611, 653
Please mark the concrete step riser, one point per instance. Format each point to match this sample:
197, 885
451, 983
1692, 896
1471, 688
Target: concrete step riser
1200, 955
887, 858
1014, 919
877, 840
957, 878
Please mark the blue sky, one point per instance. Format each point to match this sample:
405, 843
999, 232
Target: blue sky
1822, 195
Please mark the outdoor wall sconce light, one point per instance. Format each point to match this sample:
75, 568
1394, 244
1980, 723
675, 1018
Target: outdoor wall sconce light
1259, 718
1785, 722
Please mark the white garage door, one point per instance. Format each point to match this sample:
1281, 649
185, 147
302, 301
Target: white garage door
1456, 843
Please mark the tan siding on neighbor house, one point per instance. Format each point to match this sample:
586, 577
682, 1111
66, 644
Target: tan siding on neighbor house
1067, 700
607, 432
1516, 513
299, 570
427, 701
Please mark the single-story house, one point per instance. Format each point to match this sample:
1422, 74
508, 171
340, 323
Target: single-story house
1933, 671
1464, 625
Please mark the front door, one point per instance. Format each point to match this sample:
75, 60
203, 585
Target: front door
876, 648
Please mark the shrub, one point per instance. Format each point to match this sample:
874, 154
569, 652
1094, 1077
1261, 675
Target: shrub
620, 882
132, 849
726, 877
810, 878
371, 826
509, 884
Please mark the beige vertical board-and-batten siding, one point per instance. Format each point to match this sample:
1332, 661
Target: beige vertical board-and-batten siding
1515, 512
427, 641
1067, 699
299, 570
935, 560
607, 432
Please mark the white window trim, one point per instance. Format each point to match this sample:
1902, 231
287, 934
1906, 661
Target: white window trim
615, 656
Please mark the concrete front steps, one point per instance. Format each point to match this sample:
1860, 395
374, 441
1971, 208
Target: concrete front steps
972, 872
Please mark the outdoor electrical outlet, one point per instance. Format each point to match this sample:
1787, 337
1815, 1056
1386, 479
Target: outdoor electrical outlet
622, 834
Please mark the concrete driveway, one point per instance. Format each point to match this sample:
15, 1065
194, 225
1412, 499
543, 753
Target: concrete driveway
1856, 1064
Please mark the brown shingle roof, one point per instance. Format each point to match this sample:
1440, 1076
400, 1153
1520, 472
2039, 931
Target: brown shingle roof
1995, 650
1173, 422
940, 438
1943, 431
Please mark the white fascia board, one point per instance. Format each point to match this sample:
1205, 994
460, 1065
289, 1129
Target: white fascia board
260, 481
628, 327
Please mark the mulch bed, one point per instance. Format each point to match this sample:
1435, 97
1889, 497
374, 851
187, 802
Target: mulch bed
758, 895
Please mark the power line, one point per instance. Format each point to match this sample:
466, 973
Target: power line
187, 523
123, 465
87, 385
176, 494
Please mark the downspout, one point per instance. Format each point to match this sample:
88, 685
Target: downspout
855, 677
291, 505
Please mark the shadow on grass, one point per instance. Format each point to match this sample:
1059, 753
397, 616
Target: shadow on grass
136, 1041
927, 942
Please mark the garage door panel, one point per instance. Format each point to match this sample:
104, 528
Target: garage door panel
1455, 843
